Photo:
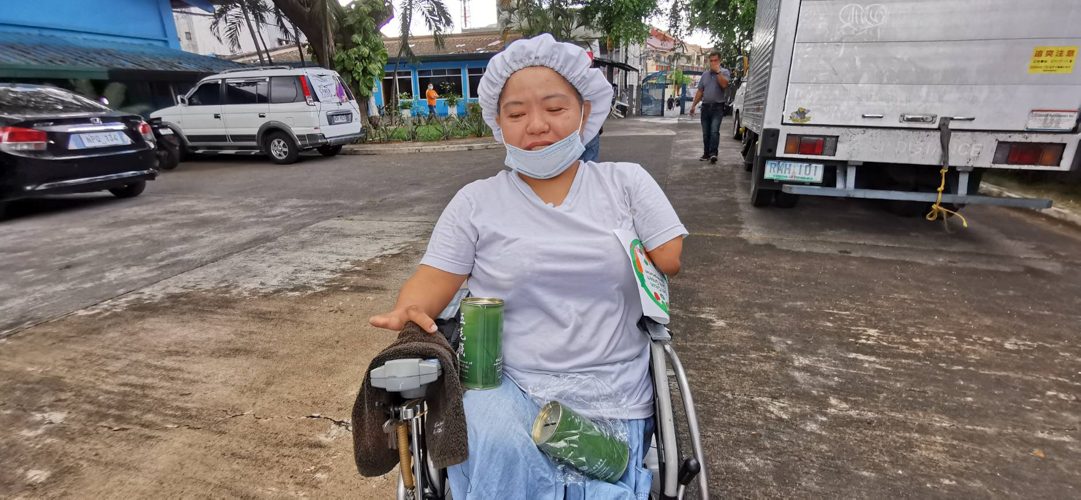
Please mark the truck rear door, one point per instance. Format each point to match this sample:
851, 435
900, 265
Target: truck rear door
1001, 65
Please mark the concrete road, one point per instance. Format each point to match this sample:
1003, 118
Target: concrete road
208, 337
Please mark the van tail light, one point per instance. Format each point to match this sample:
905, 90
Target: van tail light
815, 145
148, 133
22, 139
1029, 153
307, 91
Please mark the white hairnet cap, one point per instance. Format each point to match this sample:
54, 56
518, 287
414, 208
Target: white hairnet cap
569, 60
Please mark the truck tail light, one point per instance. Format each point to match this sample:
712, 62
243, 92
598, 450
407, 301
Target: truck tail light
307, 91
816, 145
22, 139
1029, 153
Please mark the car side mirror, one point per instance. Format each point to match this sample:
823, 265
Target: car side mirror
183, 100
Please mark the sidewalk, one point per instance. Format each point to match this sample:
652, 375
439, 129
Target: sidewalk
470, 144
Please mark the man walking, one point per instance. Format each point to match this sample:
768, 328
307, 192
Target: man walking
711, 93
432, 95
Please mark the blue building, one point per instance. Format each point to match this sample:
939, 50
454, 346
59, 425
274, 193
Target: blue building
459, 65
133, 42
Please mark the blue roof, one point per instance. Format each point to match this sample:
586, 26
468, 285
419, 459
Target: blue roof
47, 56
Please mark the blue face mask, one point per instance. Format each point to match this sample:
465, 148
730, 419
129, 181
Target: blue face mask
550, 161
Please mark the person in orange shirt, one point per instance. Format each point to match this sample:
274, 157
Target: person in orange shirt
432, 95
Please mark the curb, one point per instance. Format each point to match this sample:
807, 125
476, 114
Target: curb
1053, 212
438, 148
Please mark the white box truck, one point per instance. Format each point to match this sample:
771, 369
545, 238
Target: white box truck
859, 99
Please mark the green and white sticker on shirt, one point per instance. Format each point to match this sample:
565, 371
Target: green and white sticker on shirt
652, 283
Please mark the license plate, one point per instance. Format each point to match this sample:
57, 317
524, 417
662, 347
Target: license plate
793, 171
340, 119
1051, 120
98, 140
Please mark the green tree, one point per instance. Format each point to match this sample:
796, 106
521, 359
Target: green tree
359, 54
620, 21
562, 19
730, 23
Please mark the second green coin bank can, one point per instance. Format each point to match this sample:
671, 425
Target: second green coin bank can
576, 441
480, 353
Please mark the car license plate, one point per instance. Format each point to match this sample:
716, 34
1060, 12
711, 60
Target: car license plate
98, 140
340, 119
793, 171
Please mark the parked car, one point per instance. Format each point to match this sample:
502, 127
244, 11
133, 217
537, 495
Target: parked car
53, 141
276, 110
737, 112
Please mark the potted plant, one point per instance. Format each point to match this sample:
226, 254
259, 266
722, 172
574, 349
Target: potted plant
452, 99
405, 104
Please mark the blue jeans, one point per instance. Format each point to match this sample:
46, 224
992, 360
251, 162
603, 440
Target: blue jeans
431, 110
593, 149
711, 128
504, 463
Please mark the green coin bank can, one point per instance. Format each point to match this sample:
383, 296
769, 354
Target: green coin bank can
577, 442
480, 352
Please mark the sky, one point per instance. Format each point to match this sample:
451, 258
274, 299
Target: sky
483, 13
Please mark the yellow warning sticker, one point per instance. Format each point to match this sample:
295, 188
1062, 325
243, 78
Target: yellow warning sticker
1052, 60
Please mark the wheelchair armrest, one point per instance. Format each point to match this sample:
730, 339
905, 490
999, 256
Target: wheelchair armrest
655, 330
409, 376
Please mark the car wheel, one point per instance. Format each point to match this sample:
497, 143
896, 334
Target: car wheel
785, 200
170, 156
130, 191
736, 134
330, 150
281, 148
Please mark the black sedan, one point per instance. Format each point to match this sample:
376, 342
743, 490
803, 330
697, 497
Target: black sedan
56, 142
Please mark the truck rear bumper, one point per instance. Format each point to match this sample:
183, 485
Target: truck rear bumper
879, 194
975, 149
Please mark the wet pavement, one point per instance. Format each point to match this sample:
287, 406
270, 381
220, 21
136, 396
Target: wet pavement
208, 337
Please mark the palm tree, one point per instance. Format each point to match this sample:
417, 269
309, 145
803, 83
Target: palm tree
231, 17
561, 18
436, 17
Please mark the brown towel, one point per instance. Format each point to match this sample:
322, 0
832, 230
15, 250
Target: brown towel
444, 430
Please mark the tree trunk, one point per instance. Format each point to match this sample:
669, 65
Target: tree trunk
320, 35
266, 47
254, 38
300, 51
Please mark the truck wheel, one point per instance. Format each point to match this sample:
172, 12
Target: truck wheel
785, 200
736, 126
281, 148
129, 191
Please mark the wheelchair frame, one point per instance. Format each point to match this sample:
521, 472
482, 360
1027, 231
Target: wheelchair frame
671, 473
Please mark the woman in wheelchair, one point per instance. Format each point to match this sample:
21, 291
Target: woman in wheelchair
540, 237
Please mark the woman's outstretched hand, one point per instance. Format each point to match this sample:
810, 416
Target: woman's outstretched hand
396, 319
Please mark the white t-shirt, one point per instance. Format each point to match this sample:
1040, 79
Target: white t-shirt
571, 302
